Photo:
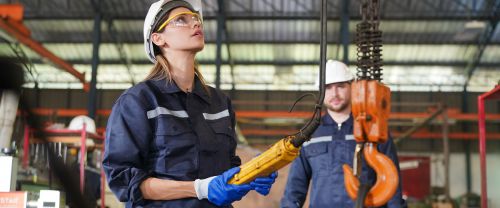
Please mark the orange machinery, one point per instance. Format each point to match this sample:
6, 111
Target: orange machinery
371, 105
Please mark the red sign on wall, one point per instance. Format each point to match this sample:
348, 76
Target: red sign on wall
415, 174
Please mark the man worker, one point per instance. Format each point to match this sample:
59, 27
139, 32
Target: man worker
331, 146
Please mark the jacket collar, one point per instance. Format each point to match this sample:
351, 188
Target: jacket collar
200, 90
171, 88
165, 86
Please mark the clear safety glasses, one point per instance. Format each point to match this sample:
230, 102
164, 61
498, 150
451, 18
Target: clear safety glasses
183, 19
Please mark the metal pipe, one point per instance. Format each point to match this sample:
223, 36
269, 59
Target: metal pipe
323, 44
482, 151
426, 122
229, 57
26, 146
467, 144
344, 30
103, 180
218, 58
470, 117
83, 156
446, 152
493, 94
95, 64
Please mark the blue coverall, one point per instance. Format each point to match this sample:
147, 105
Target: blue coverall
157, 130
320, 162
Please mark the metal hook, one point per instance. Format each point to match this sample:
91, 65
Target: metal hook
387, 177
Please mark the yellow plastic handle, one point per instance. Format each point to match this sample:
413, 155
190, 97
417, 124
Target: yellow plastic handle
276, 157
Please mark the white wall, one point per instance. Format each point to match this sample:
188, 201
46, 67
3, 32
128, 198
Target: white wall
458, 177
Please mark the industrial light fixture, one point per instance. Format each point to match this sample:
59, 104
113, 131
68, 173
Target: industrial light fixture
472, 30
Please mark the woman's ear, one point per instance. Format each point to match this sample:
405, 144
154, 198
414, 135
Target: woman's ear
158, 39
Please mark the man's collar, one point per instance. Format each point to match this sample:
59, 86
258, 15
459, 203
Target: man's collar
328, 120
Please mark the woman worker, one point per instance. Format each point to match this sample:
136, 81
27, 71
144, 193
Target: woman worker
170, 140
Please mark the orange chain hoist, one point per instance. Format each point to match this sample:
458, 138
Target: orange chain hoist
371, 105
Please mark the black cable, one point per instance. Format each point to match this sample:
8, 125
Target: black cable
363, 190
305, 132
299, 99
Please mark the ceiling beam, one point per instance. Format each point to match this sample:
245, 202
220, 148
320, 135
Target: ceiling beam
87, 40
135, 37
292, 16
287, 63
11, 23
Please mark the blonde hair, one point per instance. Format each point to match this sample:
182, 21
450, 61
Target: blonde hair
161, 70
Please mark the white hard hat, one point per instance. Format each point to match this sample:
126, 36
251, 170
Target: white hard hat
336, 72
156, 13
77, 123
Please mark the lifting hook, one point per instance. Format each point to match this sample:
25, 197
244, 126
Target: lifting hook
387, 177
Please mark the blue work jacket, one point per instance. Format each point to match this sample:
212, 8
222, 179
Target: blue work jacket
320, 163
157, 130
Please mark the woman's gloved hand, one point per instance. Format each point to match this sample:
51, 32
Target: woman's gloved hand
218, 191
263, 184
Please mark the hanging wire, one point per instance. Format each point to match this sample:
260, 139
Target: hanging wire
307, 130
24, 59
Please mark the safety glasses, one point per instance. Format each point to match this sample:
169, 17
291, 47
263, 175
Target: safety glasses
183, 19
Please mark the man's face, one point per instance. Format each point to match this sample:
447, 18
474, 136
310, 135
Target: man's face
338, 96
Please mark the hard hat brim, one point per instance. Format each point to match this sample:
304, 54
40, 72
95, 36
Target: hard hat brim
165, 10
152, 23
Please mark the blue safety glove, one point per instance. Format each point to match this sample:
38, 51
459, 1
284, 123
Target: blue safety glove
263, 184
218, 191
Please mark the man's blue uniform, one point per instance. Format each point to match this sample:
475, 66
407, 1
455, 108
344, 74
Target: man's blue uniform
157, 130
320, 162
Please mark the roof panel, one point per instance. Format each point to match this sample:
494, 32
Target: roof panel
484, 79
275, 40
491, 54
137, 9
277, 52
395, 31
434, 53
272, 77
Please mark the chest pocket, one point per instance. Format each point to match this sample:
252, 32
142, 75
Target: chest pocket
176, 145
224, 134
318, 157
222, 128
